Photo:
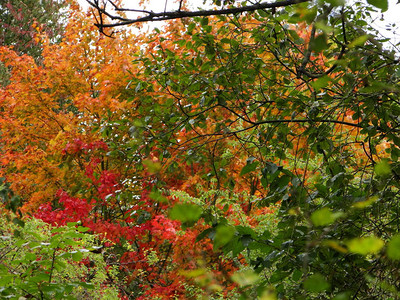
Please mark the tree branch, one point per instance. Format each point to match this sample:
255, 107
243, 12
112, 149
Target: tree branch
179, 14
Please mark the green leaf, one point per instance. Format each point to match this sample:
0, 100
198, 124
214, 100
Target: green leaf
158, 196
153, 167
71, 224
358, 41
40, 277
368, 202
342, 296
246, 231
185, 212
223, 235
19, 222
319, 43
191, 27
393, 248
382, 4
58, 229
316, 283
250, 167
321, 82
324, 216
5, 279
268, 294
309, 14
325, 28
282, 182
271, 168
365, 245
29, 257
82, 229
382, 168
206, 233
206, 66
194, 273
297, 275
77, 255
204, 21
245, 277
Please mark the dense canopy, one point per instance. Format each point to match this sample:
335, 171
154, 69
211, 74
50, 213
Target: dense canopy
244, 155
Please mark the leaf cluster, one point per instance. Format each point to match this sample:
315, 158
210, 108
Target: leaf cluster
46, 262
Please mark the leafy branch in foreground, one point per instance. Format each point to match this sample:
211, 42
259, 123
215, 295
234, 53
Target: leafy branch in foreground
43, 262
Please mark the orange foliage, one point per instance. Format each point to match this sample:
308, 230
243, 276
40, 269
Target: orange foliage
47, 106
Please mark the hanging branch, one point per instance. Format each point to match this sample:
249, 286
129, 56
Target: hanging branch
150, 16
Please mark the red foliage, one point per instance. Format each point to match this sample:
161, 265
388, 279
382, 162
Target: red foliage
71, 210
173, 249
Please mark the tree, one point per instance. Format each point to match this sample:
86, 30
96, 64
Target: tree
312, 98
44, 262
252, 154
22, 20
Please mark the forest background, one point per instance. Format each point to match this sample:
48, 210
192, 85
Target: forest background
233, 156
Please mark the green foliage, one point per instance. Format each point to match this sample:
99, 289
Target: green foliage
245, 277
4, 75
324, 216
393, 248
313, 131
7, 196
52, 263
365, 245
382, 4
316, 283
223, 235
382, 168
186, 213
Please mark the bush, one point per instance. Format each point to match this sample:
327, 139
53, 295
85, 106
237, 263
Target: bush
44, 262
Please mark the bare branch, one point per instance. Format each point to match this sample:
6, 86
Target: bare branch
179, 14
